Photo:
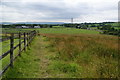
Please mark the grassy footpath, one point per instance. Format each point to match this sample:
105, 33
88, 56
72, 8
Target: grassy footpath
34, 62
68, 53
68, 56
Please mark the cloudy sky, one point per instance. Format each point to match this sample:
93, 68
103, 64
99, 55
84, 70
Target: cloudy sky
58, 10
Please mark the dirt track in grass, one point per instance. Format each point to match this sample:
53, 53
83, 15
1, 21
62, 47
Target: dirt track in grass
68, 56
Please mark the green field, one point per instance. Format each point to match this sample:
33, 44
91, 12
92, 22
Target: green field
57, 30
67, 53
67, 31
57, 26
96, 27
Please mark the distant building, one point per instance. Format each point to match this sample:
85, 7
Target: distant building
18, 27
25, 26
22, 26
78, 26
88, 28
36, 26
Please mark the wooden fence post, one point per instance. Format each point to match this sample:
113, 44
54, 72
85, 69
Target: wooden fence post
24, 41
19, 44
29, 38
31, 35
35, 33
11, 49
5, 34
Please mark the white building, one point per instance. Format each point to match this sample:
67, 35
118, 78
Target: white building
22, 26
36, 26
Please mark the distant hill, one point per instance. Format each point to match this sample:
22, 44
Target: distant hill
6, 23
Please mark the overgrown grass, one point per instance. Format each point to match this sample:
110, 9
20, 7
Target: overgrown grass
85, 56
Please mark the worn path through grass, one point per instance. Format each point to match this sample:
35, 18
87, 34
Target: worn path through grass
40, 51
68, 56
34, 62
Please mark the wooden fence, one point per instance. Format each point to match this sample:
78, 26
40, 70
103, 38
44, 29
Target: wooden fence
23, 39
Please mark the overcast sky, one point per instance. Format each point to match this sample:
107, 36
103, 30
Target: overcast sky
58, 10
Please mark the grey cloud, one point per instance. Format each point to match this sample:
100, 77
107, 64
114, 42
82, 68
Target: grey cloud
51, 11
55, 11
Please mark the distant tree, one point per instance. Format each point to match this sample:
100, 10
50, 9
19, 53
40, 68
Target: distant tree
106, 27
93, 25
112, 29
50, 26
98, 27
45, 25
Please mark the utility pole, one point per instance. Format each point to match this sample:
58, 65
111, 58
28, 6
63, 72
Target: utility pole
71, 20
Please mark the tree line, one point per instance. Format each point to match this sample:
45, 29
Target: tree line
111, 28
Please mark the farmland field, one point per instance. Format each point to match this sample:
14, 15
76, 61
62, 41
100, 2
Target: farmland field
56, 30
67, 31
68, 53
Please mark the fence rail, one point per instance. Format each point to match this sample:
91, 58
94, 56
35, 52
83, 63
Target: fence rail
23, 38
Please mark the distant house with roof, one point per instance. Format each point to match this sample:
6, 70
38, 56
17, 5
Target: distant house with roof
37, 27
23, 26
